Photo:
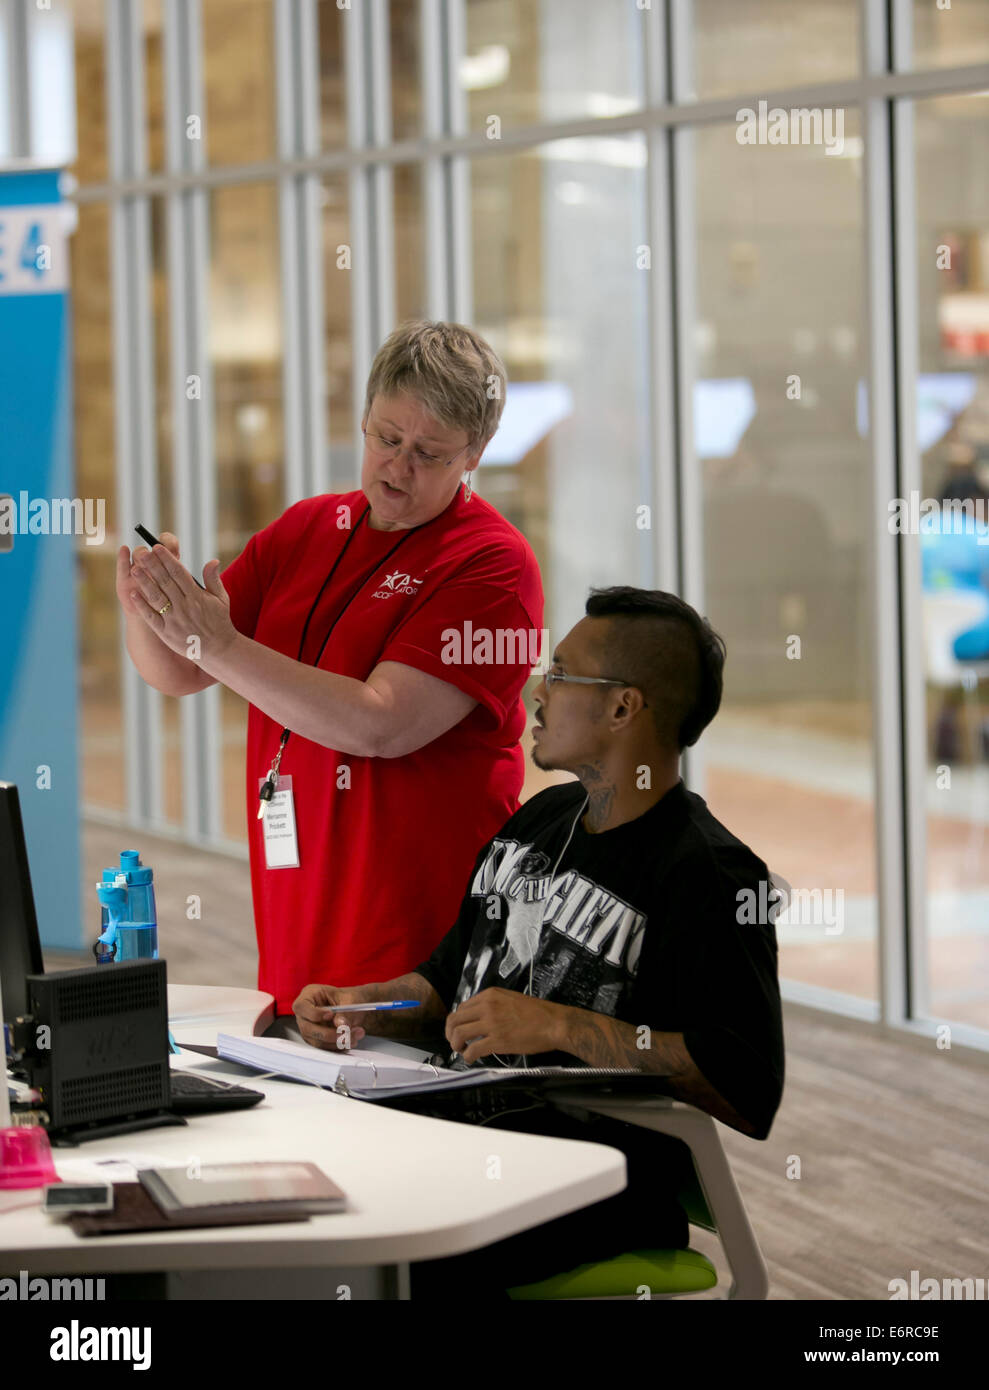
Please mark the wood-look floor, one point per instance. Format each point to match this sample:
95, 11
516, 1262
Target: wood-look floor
891, 1134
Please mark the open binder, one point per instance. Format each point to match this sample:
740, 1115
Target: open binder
481, 1095
422, 1086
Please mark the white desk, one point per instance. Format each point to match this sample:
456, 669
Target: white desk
418, 1188
196, 1013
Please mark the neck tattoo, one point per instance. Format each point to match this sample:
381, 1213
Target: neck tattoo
600, 793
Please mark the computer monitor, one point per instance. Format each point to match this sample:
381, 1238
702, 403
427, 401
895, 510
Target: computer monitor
20, 945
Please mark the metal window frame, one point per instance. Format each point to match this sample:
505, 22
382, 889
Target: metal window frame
915, 1013
136, 465
307, 463
434, 123
446, 188
662, 310
689, 475
367, 79
456, 169
908, 1001
380, 177
17, 20
471, 144
193, 476
887, 684
445, 178
882, 89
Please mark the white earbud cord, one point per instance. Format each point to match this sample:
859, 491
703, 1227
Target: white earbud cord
549, 894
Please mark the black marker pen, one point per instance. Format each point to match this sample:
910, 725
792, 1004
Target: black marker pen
152, 541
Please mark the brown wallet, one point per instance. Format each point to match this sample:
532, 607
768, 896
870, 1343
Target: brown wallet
134, 1210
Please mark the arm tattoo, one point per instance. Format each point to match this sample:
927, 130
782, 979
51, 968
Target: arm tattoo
602, 1041
398, 1023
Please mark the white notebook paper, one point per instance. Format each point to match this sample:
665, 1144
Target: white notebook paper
362, 1066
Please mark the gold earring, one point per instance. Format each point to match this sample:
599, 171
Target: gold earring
468, 489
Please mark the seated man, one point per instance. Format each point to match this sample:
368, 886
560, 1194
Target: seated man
608, 923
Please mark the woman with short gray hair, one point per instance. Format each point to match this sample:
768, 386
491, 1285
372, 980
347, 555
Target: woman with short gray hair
382, 746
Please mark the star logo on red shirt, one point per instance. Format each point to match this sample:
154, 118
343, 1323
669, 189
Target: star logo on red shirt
401, 583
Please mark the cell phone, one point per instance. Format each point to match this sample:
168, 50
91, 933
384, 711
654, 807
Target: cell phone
152, 540
71, 1197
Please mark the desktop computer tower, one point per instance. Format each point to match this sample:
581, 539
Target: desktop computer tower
96, 1047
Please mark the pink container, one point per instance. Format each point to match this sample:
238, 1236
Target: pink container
26, 1157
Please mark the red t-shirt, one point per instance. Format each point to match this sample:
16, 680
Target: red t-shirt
384, 863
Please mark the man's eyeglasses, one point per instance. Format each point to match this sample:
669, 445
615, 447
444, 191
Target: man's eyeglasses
551, 677
386, 449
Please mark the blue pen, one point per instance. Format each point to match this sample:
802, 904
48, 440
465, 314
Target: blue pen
370, 1008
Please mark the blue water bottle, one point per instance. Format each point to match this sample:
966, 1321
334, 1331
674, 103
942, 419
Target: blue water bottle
129, 921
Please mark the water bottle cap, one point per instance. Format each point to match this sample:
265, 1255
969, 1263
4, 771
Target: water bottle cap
130, 864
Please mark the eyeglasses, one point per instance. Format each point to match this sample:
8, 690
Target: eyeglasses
385, 449
551, 677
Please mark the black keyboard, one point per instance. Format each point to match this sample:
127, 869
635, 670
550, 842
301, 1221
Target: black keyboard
192, 1094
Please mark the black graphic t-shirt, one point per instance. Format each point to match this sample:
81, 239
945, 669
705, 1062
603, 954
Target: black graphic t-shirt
639, 922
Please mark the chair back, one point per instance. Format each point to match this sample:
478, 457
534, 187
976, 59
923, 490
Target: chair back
691, 1198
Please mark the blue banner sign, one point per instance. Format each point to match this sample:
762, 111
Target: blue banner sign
42, 522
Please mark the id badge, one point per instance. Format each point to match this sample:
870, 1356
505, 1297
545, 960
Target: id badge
281, 843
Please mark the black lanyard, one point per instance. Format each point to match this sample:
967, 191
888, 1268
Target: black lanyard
268, 790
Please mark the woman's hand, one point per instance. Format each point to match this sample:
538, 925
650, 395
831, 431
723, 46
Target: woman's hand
128, 592
190, 621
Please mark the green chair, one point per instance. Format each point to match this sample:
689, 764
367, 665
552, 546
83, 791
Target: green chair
709, 1197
